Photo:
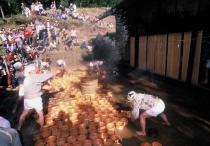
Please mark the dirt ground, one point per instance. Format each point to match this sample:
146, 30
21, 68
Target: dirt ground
189, 121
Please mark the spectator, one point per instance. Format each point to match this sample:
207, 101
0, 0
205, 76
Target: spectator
62, 8
34, 39
36, 8
83, 45
58, 16
57, 34
40, 7
68, 45
27, 36
75, 7
27, 11
45, 67
73, 33
53, 45
33, 9
44, 12
75, 42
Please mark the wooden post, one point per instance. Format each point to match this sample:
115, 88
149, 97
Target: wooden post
2, 13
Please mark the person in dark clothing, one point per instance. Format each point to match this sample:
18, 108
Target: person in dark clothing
83, 45
68, 45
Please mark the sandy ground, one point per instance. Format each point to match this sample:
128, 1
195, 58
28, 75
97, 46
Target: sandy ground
188, 126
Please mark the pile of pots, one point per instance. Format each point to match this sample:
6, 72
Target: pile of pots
75, 119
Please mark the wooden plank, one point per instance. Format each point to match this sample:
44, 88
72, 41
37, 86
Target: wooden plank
132, 51
160, 54
173, 55
142, 52
196, 64
151, 52
186, 53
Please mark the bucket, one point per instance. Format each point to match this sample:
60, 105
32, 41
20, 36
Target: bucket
89, 85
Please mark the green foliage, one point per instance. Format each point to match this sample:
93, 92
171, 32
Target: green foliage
65, 3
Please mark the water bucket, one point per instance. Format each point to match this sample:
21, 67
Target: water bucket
89, 85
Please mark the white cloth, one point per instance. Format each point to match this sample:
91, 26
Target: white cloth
17, 65
21, 90
155, 111
35, 103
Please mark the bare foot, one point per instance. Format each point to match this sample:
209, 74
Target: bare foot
166, 124
141, 133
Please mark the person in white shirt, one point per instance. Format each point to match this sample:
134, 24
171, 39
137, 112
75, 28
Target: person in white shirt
36, 8
27, 12
40, 7
73, 33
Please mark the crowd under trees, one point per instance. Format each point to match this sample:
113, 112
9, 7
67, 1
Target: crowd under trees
13, 7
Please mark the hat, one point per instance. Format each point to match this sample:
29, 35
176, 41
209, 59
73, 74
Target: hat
101, 62
60, 62
17, 65
131, 95
28, 69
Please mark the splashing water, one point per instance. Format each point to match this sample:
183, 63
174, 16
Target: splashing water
110, 48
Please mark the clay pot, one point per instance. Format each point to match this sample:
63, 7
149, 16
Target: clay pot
108, 120
60, 141
92, 130
56, 133
37, 135
92, 125
77, 143
74, 132
46, 133
111, 131
110, 126
51, 139
124, 120
71, 139
64, 128
108, 142
44, 128
82, 137
145, 144
97, 142
87, 142
40, 143
93, 136
101, 124
64, 135
82, 126
101, 130
83, 131
103, 135
53, 127
115, 137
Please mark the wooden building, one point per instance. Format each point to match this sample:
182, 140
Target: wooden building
169, 38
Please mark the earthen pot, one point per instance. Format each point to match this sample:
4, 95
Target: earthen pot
83, 131
103, 135
93, 136
40, 143
124, 120
101, 130
97, 142
92, 130
56, 133
46, 133
82, 137
115, 137
51, 139
77, 143
64, 128
60, 141
108, 142
87, 142
110, 126
71, 139
37, 135
64, 134
116, 144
